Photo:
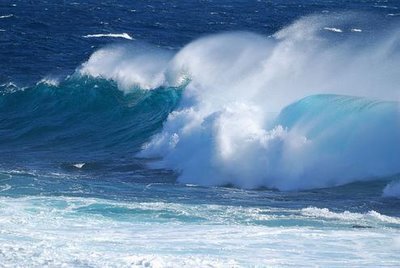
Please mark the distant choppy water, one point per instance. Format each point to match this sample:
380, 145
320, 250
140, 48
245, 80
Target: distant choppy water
199, 133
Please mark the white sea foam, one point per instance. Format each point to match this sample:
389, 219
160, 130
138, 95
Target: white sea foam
122, 35
129, 66
50, 81
336, 30
372, 217
226, 129
61, 231
79, 165
6, 16
355, 30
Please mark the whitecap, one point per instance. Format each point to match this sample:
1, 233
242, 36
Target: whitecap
369, 217
123, 35
79, 165
50, 81
336, 30
130, 66
6, 16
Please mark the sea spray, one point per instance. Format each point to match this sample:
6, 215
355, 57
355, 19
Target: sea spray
295, 110
228, 130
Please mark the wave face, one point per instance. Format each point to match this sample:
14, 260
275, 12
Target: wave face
79, 118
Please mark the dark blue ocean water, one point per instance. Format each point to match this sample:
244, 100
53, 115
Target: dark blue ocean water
196, 133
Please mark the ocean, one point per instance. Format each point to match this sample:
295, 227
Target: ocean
204, 133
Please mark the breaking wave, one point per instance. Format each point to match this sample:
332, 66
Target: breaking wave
298, 110
304, 108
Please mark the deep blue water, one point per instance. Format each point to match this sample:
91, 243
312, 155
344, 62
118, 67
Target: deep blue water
200, 133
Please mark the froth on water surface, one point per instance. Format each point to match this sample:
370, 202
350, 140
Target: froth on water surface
79, 231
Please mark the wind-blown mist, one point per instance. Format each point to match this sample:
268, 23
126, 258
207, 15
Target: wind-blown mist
315, 105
